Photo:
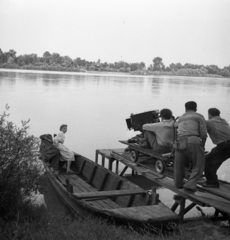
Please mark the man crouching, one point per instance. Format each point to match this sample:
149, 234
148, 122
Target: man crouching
159, 136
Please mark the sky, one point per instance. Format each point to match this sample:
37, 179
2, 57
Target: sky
185, 31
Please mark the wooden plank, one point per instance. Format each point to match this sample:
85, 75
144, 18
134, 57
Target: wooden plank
112, 182
104, 179
78, 162
93, 174
99, 176
81, 167
109, 203
80, 184
61, 178
84, 187
87, 188
211, 196
76, 180
107, 152
88, 169
145, 213
113, 193
81, 187
223, 191
77, 189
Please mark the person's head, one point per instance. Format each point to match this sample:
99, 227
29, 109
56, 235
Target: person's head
166, 114
213, 112
192, 106
63, 128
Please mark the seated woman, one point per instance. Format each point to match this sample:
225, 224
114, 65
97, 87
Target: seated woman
66, 154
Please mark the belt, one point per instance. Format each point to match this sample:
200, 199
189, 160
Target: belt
188, 136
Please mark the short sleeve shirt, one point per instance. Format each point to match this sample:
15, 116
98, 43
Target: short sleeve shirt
164, 131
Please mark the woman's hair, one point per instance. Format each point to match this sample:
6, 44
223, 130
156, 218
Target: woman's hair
63, 125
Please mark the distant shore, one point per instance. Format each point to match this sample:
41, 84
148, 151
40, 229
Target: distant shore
142, 72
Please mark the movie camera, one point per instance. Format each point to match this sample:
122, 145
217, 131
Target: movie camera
136, 121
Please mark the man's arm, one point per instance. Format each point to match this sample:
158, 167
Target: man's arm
203, 131
150, 127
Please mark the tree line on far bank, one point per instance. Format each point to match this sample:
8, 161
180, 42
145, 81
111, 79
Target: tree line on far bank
56, 62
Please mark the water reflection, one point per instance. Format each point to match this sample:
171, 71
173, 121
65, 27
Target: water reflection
9, 78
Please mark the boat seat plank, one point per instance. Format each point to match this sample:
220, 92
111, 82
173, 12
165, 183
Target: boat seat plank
84, 187
111, 203
79, 189
80, 186
101, 204
113, 193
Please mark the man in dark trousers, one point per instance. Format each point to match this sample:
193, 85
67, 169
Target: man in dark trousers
192, 136
219, 132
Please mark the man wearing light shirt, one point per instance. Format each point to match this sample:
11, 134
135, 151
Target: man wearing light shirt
219, 132
159, 136
192, 136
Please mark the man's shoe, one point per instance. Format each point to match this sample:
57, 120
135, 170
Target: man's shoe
189, 190
202, 180
206, 185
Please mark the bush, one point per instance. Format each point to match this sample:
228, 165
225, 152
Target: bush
20, 171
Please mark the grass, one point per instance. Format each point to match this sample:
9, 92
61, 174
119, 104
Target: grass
38, 223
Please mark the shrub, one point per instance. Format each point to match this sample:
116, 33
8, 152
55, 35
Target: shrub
20, 171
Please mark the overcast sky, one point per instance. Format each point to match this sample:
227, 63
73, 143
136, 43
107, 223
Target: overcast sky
185, 31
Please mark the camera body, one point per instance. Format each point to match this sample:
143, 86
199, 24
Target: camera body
136, 121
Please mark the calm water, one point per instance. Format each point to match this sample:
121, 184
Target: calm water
95, 105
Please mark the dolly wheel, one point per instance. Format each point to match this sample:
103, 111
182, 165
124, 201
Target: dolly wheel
160, 166
134, 155
188, 166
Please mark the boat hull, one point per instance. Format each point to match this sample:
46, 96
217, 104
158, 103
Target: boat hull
93, 189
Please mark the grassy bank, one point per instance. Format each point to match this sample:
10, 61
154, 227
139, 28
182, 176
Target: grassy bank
62, 226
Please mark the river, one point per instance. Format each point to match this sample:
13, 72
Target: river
95, 105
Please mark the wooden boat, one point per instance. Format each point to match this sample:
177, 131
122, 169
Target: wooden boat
91, 188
